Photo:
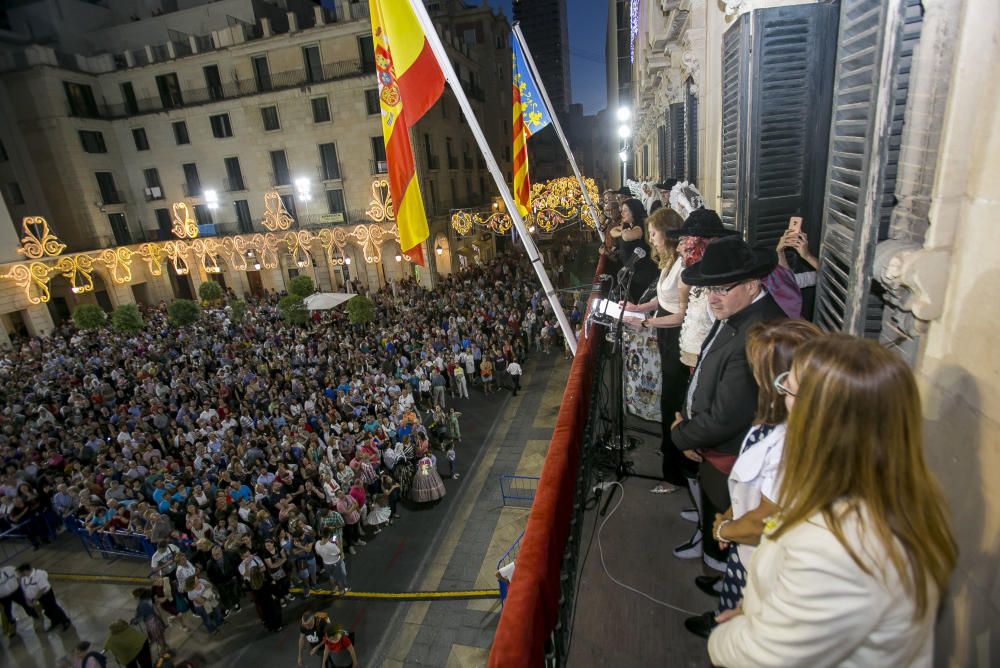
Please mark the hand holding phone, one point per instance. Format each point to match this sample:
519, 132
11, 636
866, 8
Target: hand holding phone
795, 224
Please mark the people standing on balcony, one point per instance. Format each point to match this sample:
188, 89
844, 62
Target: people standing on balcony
753, 482
721, 397
669, 301
633, 236
851, 571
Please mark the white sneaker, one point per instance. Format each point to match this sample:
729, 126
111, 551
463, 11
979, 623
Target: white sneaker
361, 542
714, 564
691, 549
690, 515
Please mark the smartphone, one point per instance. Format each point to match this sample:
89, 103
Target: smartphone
795, 224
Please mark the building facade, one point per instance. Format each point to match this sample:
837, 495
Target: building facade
877, 121
126, 110
545, 25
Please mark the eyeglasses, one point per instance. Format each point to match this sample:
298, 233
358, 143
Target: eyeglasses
723, 290
779, 384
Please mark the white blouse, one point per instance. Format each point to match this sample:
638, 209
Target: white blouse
755, 474
698, 321
667, 294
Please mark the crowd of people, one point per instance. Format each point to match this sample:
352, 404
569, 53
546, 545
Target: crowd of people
823, 536
255, 455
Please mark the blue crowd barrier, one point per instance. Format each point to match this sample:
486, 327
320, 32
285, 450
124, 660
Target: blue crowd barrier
508, 557
517, 490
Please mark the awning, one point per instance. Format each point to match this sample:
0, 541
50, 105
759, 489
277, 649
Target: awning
322, 301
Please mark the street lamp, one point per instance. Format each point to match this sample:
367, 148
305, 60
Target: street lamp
624, 131
303, 189
624, 113
623, 156
211, 199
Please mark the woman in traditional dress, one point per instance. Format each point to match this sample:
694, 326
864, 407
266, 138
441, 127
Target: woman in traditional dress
427, 483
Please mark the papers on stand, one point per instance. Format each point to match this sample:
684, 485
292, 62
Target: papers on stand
612, 310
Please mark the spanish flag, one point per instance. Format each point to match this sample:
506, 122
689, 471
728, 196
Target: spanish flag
409, 83
530, 116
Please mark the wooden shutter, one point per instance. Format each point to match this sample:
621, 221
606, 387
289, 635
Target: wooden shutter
662, 167
791, 72
875, 49
691, 133
735, 85
678, 141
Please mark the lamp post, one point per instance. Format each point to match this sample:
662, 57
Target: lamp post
624, 114
303, 191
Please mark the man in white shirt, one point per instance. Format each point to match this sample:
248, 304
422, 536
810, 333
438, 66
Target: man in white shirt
35, 585
333, 562
514, 369
10, 593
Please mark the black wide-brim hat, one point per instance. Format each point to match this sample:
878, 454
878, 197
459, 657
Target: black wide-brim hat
624, 190
703, 223
667, 185
730, 260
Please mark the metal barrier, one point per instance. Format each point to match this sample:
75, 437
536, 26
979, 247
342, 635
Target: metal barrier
517, 489
16, 539
112, 544
508, 558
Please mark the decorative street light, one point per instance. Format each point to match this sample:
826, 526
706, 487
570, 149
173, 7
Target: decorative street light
624, 113
211, 199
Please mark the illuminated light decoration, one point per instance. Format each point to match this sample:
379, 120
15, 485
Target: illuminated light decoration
38, 241
33, 277
184, 225
380, 208
119, 263
235, 251
275, 216
633, 27
370, 237
560, 202
153, 254
461, 222
266, 247
298, 247
176, 251
77, 269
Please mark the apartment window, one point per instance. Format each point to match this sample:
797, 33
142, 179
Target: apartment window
181, 133
371, 102
289, 203
163, 223
379, 164
154, 190
367, 49
93, 141
192, 183
12, 194
234, 175
279, 169
170, 91
128, 96
328, 158
452, 161
139, 137
335, 202
243, 220
432, 162
213, 82
120, 229
269, 116
81, 99
313, 63
434, 197
261, 73
106, 184
321, 110
203, 215
221, 127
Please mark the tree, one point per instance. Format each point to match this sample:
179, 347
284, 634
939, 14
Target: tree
127, 319
237, 310
88, 316
301, 286
183, 312
293, 310
360, 310
210, 291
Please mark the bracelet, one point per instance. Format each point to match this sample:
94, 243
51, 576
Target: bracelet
718, 531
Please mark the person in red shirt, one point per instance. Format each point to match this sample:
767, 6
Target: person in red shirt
338, 650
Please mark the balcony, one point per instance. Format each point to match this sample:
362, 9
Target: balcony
359, 11
192, 189
234, 185
112, 197
379, 166
280, 180
344, 69
433, 162
153, 194
452, 162
467, 161
331, 174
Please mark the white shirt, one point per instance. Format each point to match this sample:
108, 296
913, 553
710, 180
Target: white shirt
667, 294
755, 474
329, 552
514, 369
808, 604
35, 584
9, 582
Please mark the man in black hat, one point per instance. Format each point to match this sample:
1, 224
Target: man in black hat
722, 395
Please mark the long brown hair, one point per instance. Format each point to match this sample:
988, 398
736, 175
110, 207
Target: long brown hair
855, 436
770, 348
662, 220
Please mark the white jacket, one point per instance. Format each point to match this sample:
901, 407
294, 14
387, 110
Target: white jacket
807, 603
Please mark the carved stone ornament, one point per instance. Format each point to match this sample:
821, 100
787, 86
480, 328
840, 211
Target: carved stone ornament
733, 7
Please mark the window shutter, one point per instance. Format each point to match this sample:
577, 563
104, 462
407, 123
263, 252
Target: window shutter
794, 50
691, 132
875, 49
735, 68
678, 140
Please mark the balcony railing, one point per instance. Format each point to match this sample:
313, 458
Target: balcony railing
154, 193
467, 161
452, 162
112, 197
379, 166
331, 174
433, 162
359, 11
234, 185
344, 69
191, 189
281, 180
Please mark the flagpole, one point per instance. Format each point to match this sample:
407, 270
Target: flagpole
434, 41
555, 124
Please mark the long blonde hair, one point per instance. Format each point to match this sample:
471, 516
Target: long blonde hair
663, 219
770, 348
855, 436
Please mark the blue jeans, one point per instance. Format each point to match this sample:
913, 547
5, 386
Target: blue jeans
212, 620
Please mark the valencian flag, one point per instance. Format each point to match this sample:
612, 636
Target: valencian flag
409, 83
530, 116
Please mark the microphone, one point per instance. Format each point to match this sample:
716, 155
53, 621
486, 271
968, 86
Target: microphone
637, 255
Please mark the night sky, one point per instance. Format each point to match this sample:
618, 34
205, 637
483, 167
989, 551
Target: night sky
588, 20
